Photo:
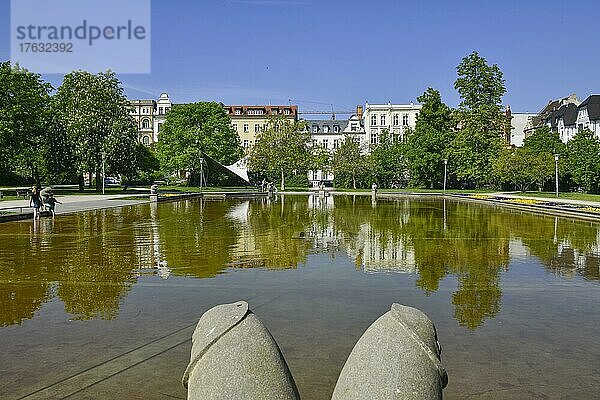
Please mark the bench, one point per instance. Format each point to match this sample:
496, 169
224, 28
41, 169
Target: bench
22, 193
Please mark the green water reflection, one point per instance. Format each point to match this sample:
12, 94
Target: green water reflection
91, 260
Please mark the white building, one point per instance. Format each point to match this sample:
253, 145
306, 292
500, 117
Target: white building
163, 106
329, 134
394, 118
588, 114
149, 115
519, 122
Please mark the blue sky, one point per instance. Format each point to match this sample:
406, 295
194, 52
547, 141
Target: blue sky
344, 53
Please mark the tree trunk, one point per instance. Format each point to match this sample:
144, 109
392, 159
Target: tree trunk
36, 176
99, 179
353, 182
282, 181
90, 183
81, 182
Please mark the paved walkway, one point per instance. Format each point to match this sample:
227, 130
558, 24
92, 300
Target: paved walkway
75, 203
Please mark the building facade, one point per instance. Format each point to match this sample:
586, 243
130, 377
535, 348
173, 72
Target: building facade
149, 116
393, 118
588, 114
249, 121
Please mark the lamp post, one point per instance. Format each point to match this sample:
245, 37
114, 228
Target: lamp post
103, 180
201, 171
445, 173
556, 172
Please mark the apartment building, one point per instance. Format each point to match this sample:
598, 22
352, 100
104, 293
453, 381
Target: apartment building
249, 121
149, 116
393, 118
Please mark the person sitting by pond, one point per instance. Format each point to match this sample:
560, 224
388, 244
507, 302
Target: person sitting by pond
35, 201
50, 204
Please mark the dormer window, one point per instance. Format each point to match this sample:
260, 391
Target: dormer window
238, 111
274, 111
336, 128
287, 111
326, 129
315, 128
255, 112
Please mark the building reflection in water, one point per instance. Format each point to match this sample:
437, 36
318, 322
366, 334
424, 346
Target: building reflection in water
91, 260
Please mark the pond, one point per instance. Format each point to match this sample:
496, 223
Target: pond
102, 304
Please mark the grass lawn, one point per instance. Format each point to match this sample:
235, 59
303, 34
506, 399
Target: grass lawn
566, 195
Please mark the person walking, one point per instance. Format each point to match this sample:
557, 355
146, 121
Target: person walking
51, 204
35, 201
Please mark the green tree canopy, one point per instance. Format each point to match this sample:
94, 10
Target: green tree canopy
349, 163
482, 124
25, 124
281, 148
194, 129
427, 144
544, 140
388, 162
95, 115
584, 160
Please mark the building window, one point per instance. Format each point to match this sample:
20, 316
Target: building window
160, 110
234, 126
145, 124
246, 128
255, 112
405, 119
314, 143
315, 175
246, 143
383, 120
325, 143
274, 111
374, 120
336, 128
326, 129
238, 111
396, 120
315, 128
336, 143
353, 127
256, 128
160, 127
287, 111
373, 138
146, 140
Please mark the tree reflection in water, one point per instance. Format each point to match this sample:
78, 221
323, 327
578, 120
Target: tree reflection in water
91, 260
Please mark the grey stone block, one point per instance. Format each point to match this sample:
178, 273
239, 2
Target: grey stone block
235, 357
398, 357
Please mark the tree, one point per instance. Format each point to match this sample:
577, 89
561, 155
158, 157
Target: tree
482, 124
387, 161
584, 160
25, 128
348, 162
281, 148
95, 115
427, 144
192, 130
321, 159
523, 167
479, 84
544, 140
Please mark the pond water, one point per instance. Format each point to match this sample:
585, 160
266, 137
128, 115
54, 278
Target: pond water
102, 304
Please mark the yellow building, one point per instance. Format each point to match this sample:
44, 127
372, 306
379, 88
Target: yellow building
249, 121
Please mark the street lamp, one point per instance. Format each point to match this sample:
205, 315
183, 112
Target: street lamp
556, 172
445, 173
201, 171
103, 180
